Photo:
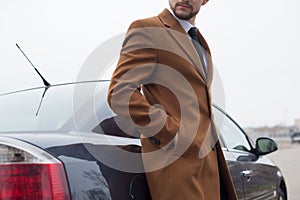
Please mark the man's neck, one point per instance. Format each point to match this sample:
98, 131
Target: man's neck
192, 20
185, 24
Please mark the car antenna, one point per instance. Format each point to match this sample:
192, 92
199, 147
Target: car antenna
46, 83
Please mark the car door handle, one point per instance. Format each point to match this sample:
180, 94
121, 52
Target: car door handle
247, 173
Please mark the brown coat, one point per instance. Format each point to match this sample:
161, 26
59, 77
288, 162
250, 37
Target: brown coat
181, 153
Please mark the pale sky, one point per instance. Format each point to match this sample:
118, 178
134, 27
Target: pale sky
254, 46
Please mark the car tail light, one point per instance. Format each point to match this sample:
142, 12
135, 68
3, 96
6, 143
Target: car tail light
27, 172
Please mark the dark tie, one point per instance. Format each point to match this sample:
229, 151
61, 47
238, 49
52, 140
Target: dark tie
200, 50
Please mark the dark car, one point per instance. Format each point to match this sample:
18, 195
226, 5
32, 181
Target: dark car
295, 137
61, 142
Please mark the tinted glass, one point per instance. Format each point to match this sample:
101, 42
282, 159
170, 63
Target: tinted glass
232, 135
30, 111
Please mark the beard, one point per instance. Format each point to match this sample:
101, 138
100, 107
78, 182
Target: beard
184, 16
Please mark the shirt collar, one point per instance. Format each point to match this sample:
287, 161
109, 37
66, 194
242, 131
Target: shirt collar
184, 23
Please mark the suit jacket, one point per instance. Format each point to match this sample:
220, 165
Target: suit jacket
160, 86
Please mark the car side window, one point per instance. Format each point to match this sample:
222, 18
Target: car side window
231, 134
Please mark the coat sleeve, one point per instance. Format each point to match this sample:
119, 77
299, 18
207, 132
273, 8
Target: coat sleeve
137, 62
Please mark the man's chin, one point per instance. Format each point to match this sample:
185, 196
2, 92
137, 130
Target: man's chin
183, 16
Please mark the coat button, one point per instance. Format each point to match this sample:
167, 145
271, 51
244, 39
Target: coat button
213, 146
156, 141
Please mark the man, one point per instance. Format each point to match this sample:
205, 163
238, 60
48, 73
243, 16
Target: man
162, 86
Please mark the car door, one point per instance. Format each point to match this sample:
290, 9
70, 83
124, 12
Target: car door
256, 173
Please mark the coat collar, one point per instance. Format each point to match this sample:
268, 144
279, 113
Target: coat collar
169, 21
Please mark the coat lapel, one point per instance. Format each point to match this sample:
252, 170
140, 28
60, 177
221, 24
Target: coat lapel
184, 42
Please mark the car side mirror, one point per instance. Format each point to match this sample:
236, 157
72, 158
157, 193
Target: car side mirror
265, 146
